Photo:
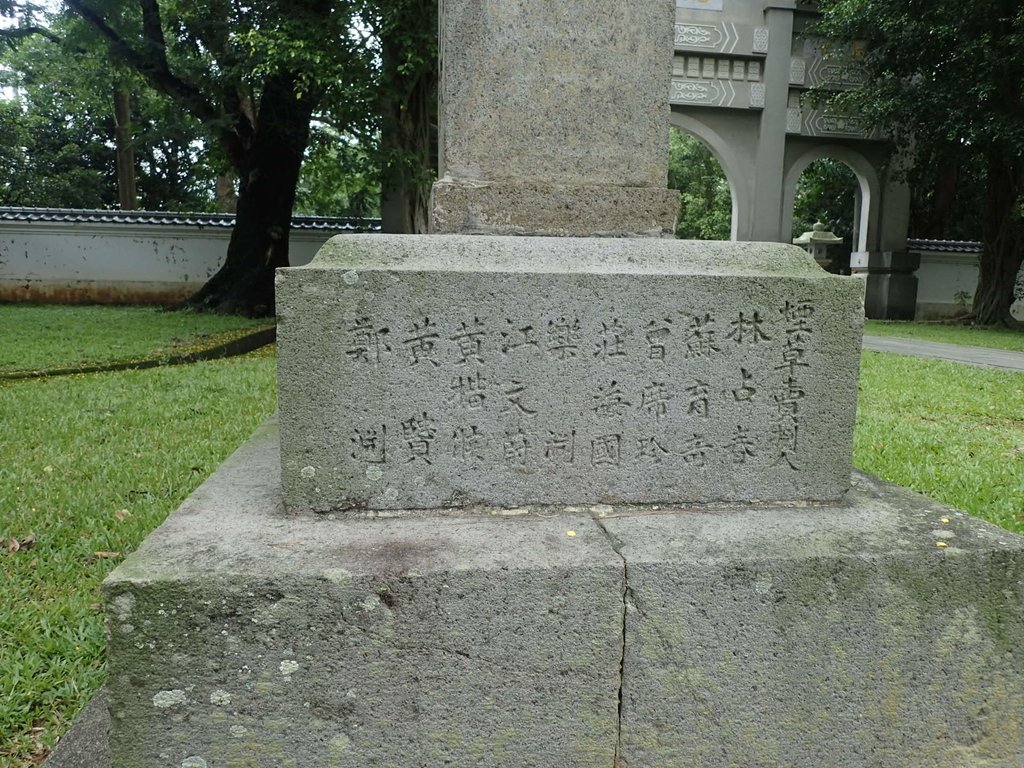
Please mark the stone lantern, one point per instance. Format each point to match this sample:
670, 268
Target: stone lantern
816, 242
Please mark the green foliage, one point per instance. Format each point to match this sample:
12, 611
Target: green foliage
946, 81
339, 177
705, 211
825, 192
61, 130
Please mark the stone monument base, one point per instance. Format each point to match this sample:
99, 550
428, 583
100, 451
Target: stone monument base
888, 630
555, 210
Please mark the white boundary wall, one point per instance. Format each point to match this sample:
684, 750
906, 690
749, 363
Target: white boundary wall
121, 262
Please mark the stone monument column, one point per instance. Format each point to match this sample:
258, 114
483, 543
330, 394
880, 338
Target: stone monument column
553, 118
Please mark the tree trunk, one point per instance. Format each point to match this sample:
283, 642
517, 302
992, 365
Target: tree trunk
268, 173
409, 117
127, 194
1003, 241
227, 198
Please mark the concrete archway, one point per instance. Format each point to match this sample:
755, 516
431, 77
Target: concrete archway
722, 151
869, 197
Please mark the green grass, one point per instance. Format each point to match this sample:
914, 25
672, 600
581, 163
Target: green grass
952, 432
90, 464
994, 338
37, 337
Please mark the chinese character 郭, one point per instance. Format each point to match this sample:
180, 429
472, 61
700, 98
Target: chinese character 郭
366, 343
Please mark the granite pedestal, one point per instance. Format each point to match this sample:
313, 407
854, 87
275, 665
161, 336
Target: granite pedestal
775, 635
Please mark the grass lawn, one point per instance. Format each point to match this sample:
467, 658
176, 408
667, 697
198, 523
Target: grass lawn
89, 464
51, 336
950, 431
994, 338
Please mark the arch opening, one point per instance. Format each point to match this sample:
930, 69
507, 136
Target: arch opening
707, 209
828, 191
865, 191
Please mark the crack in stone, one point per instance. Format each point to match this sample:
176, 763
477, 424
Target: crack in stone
616, 545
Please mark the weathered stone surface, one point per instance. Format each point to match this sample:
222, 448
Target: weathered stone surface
779, 637
472, 208
86, 744
453, 371
570, 92
837, 636
554, 118
242, 636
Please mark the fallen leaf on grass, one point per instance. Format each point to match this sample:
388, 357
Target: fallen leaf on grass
21, 545
102, 554
121, 514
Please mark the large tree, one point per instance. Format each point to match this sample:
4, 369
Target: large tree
80, 133
253, 74
945, 79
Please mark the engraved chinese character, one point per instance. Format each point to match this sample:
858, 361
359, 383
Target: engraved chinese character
792, 358
701, 339
747, 328
563, 338
650, 450
517, 337
790, 396
609, 401
699, 402
366, 343
469, 338
605, 450
786, 432
746, 391
470, 391
561, 446
468, 445
656, 333
695, 451
516, 448
654, 399
612, 343
419, 432
421, 343
798, 321
369, 445
513, 399
741, 447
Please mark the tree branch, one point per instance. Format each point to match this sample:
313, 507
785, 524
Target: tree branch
156, 71
13, 35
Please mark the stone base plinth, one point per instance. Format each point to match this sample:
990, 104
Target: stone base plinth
773, 636
555, 210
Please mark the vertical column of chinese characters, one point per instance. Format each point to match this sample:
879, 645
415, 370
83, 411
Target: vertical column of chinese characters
367, 346
469, 392
786, 430
419, 430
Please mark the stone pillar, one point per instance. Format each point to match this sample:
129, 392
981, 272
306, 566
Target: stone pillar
576, 143
768, 191
887, 267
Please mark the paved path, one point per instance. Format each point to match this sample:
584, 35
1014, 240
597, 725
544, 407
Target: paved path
957, 353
